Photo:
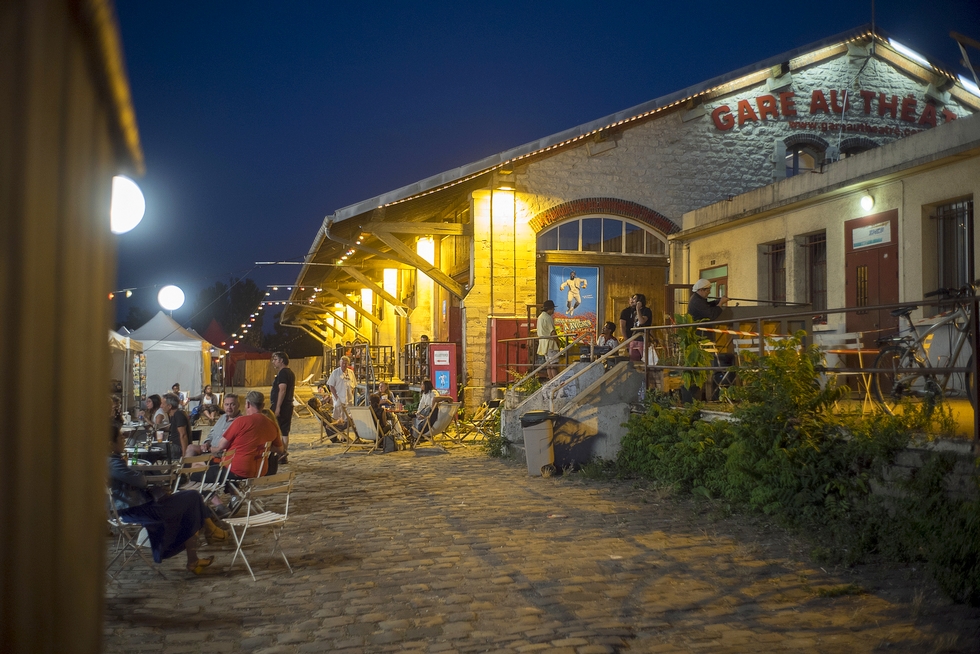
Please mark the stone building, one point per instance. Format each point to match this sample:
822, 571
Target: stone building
463, 254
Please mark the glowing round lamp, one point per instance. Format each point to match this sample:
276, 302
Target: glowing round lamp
867, 202
170, 298
127, 206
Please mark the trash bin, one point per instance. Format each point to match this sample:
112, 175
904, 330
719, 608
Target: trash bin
538, 440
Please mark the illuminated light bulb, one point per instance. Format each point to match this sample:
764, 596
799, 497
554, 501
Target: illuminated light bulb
274, 288
127, 206
867, 202
112, 295
234, 335
170, 297
129, 293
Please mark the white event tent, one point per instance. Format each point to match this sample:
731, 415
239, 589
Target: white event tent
174, 354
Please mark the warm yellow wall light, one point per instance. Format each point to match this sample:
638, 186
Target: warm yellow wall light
426, 248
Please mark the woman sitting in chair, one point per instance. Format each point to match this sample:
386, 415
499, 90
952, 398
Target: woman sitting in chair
208, 407
427, 411
387, 398
381, 417
172, 522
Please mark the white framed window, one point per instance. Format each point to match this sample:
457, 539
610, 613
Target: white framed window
605, 234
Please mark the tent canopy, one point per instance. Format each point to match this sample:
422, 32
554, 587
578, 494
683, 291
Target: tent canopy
173, 354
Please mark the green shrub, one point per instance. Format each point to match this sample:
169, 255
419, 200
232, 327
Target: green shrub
788, 455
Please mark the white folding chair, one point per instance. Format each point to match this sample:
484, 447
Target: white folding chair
127, 537
258, 493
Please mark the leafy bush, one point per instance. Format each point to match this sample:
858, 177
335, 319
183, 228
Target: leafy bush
788, 455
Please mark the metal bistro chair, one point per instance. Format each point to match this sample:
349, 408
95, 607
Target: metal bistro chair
127, 537
260, 491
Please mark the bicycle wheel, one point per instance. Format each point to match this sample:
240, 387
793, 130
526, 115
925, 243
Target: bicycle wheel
891, 387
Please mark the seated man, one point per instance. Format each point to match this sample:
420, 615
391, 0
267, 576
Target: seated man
247, 435
232, 411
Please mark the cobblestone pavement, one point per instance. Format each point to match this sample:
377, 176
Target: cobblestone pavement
433, 552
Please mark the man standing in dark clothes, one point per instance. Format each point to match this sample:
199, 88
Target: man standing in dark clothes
700, 307
627, 318
281, 398
180, 426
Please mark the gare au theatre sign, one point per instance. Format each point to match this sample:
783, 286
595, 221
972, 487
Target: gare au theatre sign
918, 115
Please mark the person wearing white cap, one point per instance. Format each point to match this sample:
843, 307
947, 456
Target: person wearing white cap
700, 307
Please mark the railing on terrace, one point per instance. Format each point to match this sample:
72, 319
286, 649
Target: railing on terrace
660, 337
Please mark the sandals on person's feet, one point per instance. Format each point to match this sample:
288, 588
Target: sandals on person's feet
216, 536
198, 568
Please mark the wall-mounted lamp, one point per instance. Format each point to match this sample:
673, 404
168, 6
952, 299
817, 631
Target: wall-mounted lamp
505, 181
867, 202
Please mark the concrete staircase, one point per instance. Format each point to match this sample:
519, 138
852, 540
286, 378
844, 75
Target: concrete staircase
591, 404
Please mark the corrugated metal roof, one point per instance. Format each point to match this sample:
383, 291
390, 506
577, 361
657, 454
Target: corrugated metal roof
462, 173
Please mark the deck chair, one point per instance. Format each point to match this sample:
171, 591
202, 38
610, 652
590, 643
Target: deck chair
128, 543
327, 429
432, 428
481, 424
297, 405
260, 493
365, 429
306, 382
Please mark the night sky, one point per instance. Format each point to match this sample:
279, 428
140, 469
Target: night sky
258, 119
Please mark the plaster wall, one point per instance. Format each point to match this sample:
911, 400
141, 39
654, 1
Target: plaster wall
913, 196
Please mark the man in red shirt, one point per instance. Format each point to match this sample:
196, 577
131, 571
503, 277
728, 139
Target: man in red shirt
247, 435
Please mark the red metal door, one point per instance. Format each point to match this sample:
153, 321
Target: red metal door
871, 273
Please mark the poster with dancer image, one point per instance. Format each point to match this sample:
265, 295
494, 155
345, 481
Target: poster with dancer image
575, 292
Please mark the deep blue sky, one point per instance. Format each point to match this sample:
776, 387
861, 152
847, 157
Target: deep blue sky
258, 119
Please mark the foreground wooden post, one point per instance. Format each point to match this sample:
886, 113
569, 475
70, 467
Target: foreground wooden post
66, 127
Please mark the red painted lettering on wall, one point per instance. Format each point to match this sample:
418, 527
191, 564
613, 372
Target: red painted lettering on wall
767, 106
908, 109
772, 107
787, 104
745, 112
722, 118
884, 104
818, 103
867, 96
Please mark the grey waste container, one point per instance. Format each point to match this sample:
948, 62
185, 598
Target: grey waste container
538, 448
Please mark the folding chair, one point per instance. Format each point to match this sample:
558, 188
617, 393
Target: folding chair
327, 428
256, 516
365, 427
188, 466
432, 428
128, 545
481, 424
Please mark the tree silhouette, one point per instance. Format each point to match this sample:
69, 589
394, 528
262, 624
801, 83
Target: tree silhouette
136, 317
232, 305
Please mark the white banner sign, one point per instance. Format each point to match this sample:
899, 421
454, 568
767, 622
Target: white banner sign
872, 235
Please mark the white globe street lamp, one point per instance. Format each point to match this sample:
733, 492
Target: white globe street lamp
127, 206
170, 298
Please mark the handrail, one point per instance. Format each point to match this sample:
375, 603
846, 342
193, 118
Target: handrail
602, 359
547, 361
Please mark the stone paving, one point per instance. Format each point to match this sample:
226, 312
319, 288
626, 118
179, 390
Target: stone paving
434, 552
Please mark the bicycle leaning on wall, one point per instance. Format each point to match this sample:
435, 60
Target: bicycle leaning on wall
905, 370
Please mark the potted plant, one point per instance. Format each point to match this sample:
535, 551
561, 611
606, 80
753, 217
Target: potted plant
692, 352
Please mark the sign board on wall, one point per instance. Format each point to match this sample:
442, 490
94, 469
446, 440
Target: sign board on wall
868, 235
575, 292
